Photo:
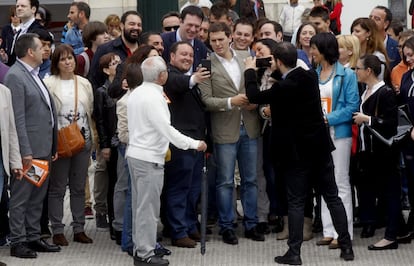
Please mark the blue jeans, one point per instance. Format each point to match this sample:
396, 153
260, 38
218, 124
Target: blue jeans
245, 151
126, 243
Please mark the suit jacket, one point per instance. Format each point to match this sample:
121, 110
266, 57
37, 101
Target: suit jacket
382, 107
299, 132
7, 35
247, 10
9, 141
33, 26
34, 128
225, 123
186, 107
392, 52
200, 49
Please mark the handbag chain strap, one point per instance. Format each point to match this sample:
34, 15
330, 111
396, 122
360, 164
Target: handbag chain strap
76, 99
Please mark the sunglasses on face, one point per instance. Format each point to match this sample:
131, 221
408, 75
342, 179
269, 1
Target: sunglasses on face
170, 28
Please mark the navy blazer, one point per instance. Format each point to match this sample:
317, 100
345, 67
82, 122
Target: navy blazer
392, 52
186, 107
200, 49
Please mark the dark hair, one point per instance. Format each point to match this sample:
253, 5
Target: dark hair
127, 13
133, 75
298, 45
218, 10
105, 60
59, 51
174, 47
140, 54
409, 43
193, 11
34, 3
388, 14
286, 52
144, 37
270, 43
170, 14
83, 7
276, 26
24, 43
45, 15
327, 45
397, 27
43, 34
220, 26
91, 31
321, 12
12, 12
374, 63
243, 21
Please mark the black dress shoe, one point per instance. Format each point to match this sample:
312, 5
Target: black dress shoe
368, 231
42, 246
263, 228
161, 251
20, 250
289, 259
393, 245
347, 254
229, 237
253, 234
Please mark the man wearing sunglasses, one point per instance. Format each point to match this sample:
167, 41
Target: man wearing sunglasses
170, 21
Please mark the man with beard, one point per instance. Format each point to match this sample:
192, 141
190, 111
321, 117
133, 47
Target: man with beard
124, 46
183, 173
79, 13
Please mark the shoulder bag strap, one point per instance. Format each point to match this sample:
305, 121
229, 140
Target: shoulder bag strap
76, 99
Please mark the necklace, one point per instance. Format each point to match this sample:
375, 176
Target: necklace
328, 79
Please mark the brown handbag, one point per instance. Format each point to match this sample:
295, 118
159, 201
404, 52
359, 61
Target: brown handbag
70, 138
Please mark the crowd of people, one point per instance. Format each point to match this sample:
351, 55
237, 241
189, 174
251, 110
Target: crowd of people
289, 105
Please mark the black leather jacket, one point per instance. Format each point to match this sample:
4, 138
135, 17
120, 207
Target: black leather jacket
104, 113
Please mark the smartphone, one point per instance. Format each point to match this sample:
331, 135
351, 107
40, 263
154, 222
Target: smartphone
206, 63
263, 62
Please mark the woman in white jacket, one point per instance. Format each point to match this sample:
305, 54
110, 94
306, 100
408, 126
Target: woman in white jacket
63, 85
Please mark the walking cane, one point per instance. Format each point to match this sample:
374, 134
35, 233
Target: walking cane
204, 199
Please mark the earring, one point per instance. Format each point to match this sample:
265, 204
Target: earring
367, 38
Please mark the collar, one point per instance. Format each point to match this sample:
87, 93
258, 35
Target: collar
178, 37
287, 73
34, 71
26, 25
377, 86
224, 60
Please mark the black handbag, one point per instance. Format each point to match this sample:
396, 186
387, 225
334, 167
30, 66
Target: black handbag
403, 129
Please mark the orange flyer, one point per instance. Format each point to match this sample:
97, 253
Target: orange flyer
326, 105
38, 173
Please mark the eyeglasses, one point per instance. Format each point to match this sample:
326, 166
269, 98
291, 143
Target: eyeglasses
170, 28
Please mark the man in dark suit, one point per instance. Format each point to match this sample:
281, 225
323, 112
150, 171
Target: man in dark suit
190, 23
382, 16
252, 10
36, 126
301, 144
183, 172
26, 11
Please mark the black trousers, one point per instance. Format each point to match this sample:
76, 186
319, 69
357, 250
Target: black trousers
299, 177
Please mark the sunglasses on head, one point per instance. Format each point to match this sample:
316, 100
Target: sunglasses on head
170, 28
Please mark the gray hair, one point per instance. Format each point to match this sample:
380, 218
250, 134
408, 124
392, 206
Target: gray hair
152, 67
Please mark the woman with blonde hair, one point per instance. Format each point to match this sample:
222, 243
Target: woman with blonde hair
113, 23
349, 50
